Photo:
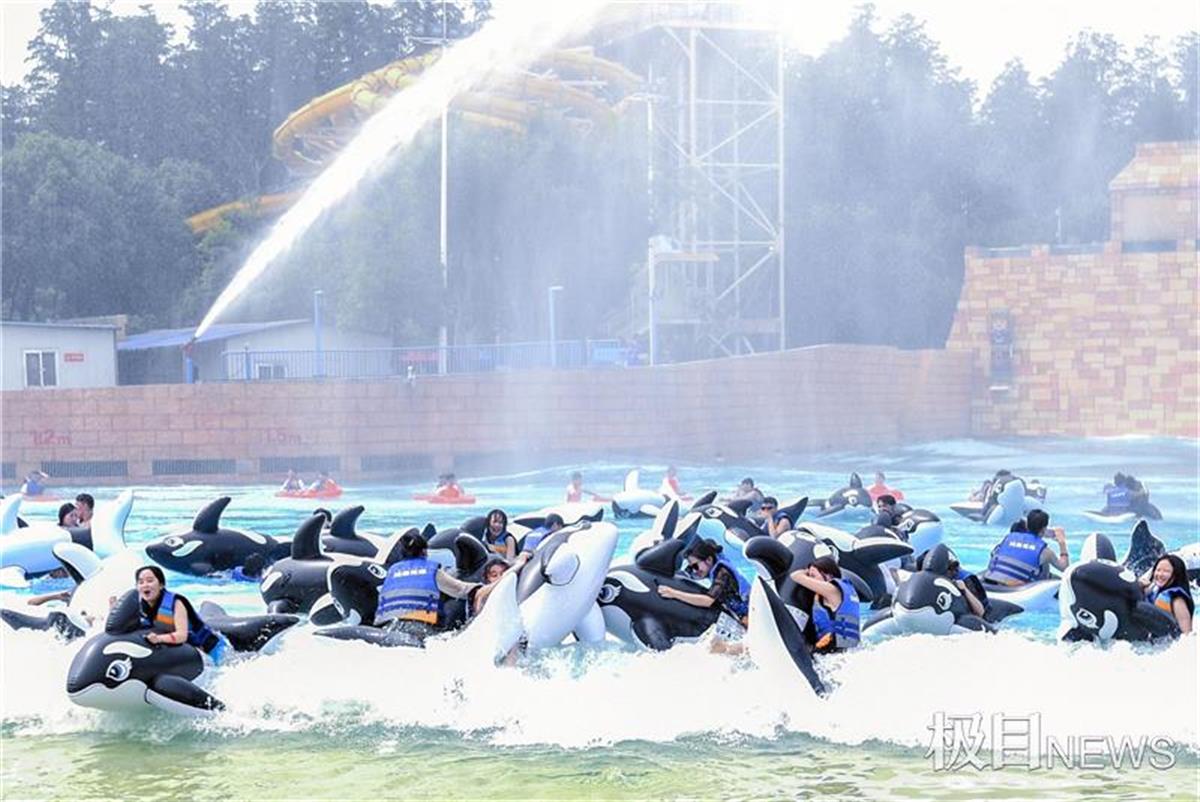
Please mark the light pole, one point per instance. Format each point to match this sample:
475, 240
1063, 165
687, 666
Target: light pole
319, 355
553, 333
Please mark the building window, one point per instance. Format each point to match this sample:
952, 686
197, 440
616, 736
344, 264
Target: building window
266, 370
41, 368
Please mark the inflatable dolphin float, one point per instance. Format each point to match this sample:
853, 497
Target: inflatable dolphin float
851, 500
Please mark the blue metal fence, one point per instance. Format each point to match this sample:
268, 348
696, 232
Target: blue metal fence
368, 363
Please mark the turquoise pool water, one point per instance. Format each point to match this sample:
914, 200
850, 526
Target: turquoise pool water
321, 719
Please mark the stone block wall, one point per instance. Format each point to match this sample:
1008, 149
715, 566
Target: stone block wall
778, 408
1104, 343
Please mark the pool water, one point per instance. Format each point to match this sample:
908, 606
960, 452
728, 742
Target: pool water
324, 719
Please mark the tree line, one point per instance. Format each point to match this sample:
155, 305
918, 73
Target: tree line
895, 162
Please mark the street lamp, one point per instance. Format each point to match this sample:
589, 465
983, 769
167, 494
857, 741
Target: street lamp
553, 333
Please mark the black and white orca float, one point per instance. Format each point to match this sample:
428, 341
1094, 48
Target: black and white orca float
1190, 554
343, 537
355, 587
921, 528
1005, 503
867, 555
208, 548
27, 552
1101, 600
928, 602
851, 500
634, 612
299, 583
633, 501
667, 524
119, 670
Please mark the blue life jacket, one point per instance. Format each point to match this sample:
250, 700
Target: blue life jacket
1163, 599
32, 487
1117, 498
838, 630
534, 537
740, 606
496, 546
410, 592
1018, 557
200, 634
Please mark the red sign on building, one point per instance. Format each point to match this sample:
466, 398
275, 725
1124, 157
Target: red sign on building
73, 356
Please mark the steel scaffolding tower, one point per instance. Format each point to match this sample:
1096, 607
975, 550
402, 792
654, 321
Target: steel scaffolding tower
715, 118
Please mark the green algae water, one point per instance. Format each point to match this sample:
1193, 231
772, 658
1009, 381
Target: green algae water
320, 719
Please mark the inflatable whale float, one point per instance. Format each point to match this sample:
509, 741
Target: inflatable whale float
207, 548
635, 614
1005, 503
929, 602
27, 552
1101, 600
868, 555
853, 500
118, 670
633, 501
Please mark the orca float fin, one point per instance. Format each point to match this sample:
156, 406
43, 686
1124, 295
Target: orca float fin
773, 630
856, 481
79, 562
108, 525
174, 694
631, 480
306, 543
208, 520
705, 500
652, 633
344, 522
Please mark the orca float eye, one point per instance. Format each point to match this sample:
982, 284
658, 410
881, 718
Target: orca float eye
119, 670
608, 593
173, 542
943, 601
377, 571
1086, 617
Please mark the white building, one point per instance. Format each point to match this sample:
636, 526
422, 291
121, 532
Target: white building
278, 349
37, 355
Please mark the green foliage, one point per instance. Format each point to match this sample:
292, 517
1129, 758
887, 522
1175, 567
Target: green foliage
895, 164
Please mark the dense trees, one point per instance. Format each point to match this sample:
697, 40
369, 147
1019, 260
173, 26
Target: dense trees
896, 162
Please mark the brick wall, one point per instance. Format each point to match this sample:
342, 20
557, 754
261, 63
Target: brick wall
1105, 343
770, 407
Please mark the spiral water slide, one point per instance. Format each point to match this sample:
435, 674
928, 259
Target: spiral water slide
585, 89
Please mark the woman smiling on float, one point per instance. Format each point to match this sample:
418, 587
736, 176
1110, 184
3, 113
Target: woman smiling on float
835, 613
1167, 589
497, 537
170, 617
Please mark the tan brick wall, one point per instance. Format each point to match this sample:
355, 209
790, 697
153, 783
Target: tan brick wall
769, 407
1105, 343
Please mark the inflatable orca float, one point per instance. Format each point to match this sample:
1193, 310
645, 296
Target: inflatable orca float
776, 641
853, 499
29, 551
668, 524
921, 528
1190, 554
118, 669
299, 583
1005, 503
343, 536
208, 548
865, 555
554, 595
355, 586
633, 611
1101, 600
633, 501
928, 602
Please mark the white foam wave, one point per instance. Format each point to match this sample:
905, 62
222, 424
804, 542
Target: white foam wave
574, 697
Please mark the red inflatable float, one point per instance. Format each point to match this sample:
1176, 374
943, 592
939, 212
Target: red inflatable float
328, 492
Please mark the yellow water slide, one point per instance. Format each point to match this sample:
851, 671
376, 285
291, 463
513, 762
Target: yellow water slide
585, 88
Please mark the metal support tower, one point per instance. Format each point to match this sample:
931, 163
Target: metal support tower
716, 114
